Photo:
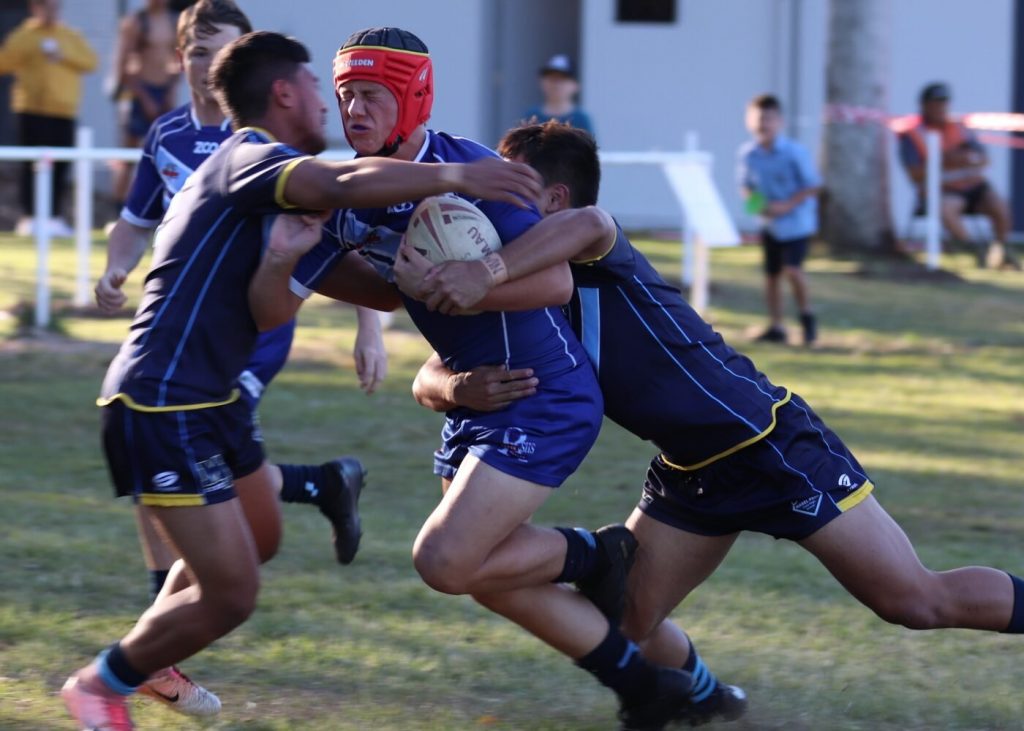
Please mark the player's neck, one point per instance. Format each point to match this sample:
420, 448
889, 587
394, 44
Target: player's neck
207, 111
409, 149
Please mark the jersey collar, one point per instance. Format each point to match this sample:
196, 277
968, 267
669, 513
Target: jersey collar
423, 150
224, 126
261, 132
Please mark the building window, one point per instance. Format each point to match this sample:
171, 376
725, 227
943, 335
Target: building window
646, 11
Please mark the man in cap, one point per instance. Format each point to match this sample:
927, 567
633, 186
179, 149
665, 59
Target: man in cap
965, 190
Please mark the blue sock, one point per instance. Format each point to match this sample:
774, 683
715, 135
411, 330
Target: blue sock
116, 673
157, 578
704, 681
302, 483
581, 555
1016, 626
618, 664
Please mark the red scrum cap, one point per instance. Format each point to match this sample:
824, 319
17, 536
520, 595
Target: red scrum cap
400, 61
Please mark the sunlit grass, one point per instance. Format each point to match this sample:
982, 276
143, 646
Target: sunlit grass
922, 378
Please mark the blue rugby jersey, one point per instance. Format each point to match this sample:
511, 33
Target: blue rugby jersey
666, 375
175, 146
193, 332
540, 339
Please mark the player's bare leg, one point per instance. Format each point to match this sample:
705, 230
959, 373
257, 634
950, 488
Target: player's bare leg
872, 557
773, 300
221, 546
670, 563
478, 542
997, 211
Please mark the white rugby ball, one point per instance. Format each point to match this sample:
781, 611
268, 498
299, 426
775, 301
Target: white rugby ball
445, 228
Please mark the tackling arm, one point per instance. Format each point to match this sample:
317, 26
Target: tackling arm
485, 388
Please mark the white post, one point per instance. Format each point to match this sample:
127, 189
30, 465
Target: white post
83, 215
701, 276
933, 199
43, 212
686, 233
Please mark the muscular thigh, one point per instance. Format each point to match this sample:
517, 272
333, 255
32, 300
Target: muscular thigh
670, 563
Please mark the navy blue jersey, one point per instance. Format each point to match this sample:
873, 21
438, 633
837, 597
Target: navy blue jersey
193, 332
540, 339
666, 375
176, 145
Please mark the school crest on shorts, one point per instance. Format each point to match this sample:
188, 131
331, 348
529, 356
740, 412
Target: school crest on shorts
807, 506
517, 445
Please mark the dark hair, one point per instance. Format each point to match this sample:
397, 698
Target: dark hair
561, 154
203, 17
244, 71
766, 103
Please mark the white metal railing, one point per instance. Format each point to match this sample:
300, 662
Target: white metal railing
695, 260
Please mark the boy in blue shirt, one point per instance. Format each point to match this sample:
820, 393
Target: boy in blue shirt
780, 185
559, 85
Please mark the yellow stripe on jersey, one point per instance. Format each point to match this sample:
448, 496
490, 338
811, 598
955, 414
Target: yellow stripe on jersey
282, 181
856, 497
171, 501
262, 131
742, 445
135, 406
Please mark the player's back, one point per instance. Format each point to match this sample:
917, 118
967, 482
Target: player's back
666, 375
540, 339
193, 332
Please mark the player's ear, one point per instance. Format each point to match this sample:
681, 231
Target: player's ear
556, 198
282, 93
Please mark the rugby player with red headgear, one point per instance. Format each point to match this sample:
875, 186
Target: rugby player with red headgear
497, 468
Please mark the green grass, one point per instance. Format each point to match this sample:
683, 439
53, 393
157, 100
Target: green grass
922, 379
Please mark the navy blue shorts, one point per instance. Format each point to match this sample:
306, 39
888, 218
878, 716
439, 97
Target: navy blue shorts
179, 458
779, 254
138, 122
542, 438
788, 485
268, 358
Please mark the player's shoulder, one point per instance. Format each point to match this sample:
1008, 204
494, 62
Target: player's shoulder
177, 120
746, 149
446, 147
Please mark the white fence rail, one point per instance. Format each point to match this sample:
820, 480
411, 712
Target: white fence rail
84, 156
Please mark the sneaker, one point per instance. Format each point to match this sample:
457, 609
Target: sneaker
59, 228
607, 590
670, 703
774, 334
343, 510
180, 693
727, 703
810, 326
96, 711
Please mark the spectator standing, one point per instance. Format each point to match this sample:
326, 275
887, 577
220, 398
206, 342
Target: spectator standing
964, 187
147, 70
780, 184
47, 60
560, 87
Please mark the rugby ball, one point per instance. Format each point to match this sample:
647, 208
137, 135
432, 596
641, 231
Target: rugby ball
446, 228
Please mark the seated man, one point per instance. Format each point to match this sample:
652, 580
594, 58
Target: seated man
964, 187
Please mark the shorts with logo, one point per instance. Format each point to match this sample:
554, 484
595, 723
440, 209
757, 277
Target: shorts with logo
542, 438
179, 458
788, 485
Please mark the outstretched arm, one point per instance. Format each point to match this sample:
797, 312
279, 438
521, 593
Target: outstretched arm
485, 388
271, 301
377, 181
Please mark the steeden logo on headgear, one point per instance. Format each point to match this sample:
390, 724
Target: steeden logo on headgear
357, 62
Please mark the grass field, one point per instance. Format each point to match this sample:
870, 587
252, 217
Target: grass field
923, 379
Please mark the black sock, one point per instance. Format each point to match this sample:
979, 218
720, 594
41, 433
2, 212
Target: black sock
704, 681
302, 483
157, 578
116, 673
583, 555
618, 664
1016, 626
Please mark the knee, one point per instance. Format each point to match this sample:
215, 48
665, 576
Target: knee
436, 565
231, 605
267, 545
639, 625
912, 607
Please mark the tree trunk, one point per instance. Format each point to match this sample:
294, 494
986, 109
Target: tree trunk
857, 219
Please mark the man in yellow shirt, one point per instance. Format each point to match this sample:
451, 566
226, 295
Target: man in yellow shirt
47, 59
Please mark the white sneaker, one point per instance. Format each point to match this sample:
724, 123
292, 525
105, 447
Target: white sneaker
25, 227
174, 689
60, 229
